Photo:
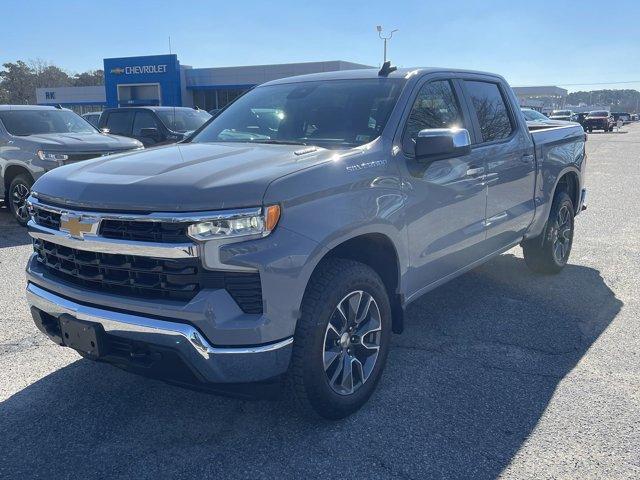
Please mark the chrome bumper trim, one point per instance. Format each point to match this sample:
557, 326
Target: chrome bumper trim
189, 342
96, 243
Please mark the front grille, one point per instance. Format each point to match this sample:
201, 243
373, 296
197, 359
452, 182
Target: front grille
140, 231
123, 274
164, 232
154, 278
46, 218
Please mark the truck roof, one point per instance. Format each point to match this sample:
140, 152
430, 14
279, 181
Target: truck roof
371, 73
149, 107
4, 108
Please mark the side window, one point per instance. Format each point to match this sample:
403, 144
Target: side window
119, 123
143, 120
435, 107
491, 110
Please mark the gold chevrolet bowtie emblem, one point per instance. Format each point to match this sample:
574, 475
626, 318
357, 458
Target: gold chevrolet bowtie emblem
77, 227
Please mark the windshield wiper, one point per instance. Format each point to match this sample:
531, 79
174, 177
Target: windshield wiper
278, 142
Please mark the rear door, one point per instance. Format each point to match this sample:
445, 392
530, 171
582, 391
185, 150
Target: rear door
503, 142
446, 199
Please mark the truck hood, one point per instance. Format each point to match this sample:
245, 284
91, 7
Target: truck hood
83, 142
177, 178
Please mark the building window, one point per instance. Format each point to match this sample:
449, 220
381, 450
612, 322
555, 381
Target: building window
210, 99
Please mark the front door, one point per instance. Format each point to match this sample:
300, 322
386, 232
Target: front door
446, 199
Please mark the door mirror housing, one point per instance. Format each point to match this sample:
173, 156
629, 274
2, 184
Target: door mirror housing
439, 143
150, 132
105, 130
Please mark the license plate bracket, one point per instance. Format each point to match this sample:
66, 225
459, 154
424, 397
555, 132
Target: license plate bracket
80, 335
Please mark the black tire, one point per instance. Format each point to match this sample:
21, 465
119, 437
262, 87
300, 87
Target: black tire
334, 281
550, 252
19, 190
590, 130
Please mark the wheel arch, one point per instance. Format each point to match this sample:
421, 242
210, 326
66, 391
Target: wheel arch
569, 182
12, 171
377, 251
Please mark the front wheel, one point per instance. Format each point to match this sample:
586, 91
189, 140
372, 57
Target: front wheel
342, 339
19, 191
550, 253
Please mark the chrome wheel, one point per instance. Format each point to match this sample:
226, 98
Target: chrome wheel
352, 342
19, 196
563, 235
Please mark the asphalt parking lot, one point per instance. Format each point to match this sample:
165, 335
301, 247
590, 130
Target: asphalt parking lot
499, 373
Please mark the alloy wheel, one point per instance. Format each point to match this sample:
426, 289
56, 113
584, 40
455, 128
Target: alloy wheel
19, 197
562, 237
352, 342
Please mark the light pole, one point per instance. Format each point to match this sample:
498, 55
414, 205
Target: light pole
379, 28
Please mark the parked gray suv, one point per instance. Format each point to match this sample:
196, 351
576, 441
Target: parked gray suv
36, 139
287, 236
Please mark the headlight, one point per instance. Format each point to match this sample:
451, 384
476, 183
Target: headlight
51, 156
250, 223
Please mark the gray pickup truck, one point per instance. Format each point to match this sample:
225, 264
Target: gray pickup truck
36, 139
286, 237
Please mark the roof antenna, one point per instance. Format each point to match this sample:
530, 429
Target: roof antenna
386, 69
174, 94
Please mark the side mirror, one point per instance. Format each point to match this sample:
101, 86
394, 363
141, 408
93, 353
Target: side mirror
150, 132
105, 130
438, 143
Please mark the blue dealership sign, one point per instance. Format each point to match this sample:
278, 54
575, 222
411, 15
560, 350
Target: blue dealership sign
148, 80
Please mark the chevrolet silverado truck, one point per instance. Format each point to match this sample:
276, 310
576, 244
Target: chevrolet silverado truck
285, 238
36, 139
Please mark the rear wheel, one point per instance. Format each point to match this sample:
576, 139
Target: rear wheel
19, 191
342, 339
550, 252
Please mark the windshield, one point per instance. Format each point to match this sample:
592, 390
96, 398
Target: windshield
183, 120
598, 114
36, 122
561, 113
330, 114
532, 115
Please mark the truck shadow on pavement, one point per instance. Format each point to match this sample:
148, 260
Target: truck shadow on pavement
11, 234
464, 387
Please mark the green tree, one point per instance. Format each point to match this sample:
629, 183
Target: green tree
17, 83
89, 78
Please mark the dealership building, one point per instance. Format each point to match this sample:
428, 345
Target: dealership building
162, 80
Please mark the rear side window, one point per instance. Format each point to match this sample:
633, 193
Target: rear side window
491, 110
143, 120
119, 123
435, 107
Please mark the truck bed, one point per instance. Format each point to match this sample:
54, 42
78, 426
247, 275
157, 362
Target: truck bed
557, 135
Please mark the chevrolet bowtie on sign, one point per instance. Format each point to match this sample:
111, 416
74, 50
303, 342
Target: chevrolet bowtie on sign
77, 225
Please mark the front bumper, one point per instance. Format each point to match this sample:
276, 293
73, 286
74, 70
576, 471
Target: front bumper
173, 351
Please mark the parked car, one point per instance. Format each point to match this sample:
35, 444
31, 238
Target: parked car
153, 125
293, 249
37, 139
599, 120
566, 115
581, 118
93, 118
624, 116
536, 119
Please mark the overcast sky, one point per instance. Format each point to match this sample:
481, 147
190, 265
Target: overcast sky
538, 42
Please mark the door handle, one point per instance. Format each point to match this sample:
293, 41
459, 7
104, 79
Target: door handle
528, 158
475, 171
